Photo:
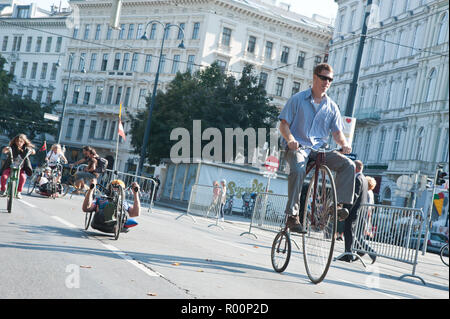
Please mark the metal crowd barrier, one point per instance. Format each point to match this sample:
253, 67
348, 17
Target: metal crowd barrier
389, 232
204, 203
147, 185
268, 212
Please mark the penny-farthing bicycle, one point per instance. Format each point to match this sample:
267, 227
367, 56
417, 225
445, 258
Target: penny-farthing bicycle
319, 223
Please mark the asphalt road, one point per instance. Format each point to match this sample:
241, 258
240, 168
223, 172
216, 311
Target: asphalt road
46, 253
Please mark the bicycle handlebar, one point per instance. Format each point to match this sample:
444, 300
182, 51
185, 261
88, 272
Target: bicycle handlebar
9, 148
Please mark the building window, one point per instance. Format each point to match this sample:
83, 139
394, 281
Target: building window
97, 31
222, 65
76, 94
99, 94
24, 69
431, 85
93, 61
443, 27
396, 144
295, 87
180, 33
80, 129
279, 87
49, 97
130, 31
104, 62
134, 61
112, 130
28, 46
116, 62
285, 55
48, 45
109, 33
317, 60
251, 44
92, 128
153, 31
118, 95
126, 58
69, 128
53, 72
141, 99
162, 65
122, 32
38, 44
103, 131
419, 143
195, 31
34, 71
5, 43
75, 32
166, 33
87, 28
126, 100
58, 44
263, 79
190, 64
87, 94
175, 64
44, 71
381, 145
82, 62
268, 50
148, 62
226, 36
139, 31
344, 61
301, 59
367, 146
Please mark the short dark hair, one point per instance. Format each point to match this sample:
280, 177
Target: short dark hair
322, 66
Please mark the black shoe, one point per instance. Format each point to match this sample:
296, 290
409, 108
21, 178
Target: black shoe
373, 257
346, 258
342, 214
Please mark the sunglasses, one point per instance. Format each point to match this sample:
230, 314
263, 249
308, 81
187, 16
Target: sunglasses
324, 78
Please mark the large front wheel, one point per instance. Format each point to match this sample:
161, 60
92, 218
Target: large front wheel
319, 221
11, 194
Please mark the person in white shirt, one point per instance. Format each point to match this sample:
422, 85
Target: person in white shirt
55, 156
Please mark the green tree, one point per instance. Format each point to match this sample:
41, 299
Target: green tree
218, 100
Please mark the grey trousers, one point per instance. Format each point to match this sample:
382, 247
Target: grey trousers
337, 162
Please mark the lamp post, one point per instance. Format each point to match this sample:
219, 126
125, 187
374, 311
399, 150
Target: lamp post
155, 87
71, 56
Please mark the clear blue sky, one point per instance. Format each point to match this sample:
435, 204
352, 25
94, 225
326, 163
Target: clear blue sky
326, 8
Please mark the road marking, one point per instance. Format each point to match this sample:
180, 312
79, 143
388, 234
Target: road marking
132, 261
116, 251
62, 221
28, 204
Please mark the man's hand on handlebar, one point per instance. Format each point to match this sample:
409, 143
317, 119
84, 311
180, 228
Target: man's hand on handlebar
135, 187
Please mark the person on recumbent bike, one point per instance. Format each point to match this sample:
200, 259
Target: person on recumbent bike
103, 207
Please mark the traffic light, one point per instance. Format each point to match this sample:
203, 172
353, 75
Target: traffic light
440, 177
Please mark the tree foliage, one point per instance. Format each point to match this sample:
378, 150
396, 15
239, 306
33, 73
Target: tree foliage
218, 100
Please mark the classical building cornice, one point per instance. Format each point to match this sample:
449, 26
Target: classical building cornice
288, 21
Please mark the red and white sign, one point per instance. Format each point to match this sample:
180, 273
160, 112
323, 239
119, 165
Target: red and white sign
272, 163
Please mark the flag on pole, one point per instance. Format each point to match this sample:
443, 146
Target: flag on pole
44, 147
121, 131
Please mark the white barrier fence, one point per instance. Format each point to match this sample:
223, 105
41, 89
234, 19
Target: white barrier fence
148, 185
389, 232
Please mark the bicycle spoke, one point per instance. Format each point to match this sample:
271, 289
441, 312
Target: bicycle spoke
281, 251
318, 242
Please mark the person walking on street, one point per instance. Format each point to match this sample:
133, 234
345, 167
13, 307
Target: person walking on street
360, 197
223, 198
307, 119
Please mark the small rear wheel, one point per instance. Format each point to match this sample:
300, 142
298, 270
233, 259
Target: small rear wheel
120, 214
281, 251
444, 254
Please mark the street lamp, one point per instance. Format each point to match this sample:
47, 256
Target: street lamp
153, 100
71, 56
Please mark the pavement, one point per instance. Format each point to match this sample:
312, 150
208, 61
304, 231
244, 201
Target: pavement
46, 253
